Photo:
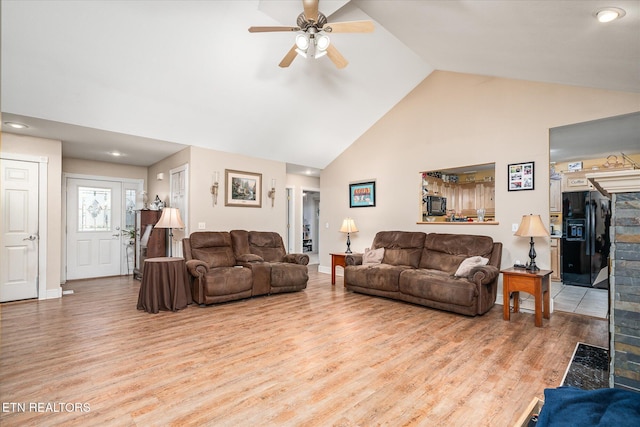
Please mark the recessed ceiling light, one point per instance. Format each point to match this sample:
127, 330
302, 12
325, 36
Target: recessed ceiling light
116, 153
16, 125
608, 14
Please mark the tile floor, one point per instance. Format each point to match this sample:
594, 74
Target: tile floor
572, 299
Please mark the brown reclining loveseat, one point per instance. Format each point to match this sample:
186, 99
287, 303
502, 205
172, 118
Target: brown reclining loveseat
225, 266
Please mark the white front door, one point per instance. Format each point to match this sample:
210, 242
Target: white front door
94, 237
19, 230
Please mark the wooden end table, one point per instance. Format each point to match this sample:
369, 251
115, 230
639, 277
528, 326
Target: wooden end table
536, 283
338, 259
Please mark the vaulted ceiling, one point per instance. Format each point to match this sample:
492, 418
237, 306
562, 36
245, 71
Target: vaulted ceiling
143, 77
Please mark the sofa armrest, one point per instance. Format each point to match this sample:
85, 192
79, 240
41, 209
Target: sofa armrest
483, 274
302, 259
245, 258
353, 259
197, 268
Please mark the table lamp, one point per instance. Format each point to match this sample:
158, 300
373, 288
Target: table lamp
170, 219
531, 226
348, 226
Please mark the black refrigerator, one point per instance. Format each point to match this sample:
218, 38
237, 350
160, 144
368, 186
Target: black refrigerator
586, 218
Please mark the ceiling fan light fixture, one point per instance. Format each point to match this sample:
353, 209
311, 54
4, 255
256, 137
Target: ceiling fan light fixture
608, 14
302, 42
322, 42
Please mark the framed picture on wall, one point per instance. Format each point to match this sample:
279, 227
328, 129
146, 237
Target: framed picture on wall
362, 195
243, 189
520, 176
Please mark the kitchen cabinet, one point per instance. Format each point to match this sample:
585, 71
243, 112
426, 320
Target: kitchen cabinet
576, 181
555, 259
488, 201
150, 242
555, 196
467, 196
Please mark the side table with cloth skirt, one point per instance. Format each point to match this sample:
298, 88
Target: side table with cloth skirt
165, 285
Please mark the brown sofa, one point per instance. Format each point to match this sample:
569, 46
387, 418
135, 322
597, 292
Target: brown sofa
420, 268
226, 266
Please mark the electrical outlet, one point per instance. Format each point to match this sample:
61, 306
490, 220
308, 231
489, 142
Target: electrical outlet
202, 226
514, 227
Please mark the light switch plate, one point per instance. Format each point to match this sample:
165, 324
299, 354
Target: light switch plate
514, 227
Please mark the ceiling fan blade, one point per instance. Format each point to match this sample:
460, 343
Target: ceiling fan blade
289, 57
336, 57
349, 27
310, 9
272, 29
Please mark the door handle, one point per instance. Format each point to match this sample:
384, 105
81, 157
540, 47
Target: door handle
31, 238
116, 235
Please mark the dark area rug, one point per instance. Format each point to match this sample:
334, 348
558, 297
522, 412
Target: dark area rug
588, 369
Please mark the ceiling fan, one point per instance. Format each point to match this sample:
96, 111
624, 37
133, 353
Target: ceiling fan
313, 41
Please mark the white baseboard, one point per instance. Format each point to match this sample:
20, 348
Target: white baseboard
327, 270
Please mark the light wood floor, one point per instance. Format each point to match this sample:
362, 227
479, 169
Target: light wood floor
321, 357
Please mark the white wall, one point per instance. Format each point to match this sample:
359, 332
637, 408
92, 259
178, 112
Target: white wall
452, 120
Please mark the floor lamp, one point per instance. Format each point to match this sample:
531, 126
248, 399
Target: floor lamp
170, 219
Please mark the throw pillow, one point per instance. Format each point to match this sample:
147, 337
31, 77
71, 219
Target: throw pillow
467, 265
372, 256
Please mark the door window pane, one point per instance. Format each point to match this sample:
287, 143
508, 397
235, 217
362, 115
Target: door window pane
94, 209
130, 209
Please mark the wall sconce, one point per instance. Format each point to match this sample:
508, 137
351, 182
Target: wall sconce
272, 193
160, 176
214, 188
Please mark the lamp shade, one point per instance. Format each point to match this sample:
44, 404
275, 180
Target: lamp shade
170, 218
531, 226
348, 226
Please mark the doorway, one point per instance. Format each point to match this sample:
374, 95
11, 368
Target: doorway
100, 221
310, 224
20, 225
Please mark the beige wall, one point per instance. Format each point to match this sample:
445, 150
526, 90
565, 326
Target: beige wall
91, 167
52, 149
451, 120
202, 165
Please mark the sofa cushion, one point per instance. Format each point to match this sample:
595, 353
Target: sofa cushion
284, 274
467, 265
268, 245
436, 285
372, 256
228, 280
446, 252
383, 277
400, 247
213, 247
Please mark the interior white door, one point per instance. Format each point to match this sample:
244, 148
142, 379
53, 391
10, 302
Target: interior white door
94, 237
19, 230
